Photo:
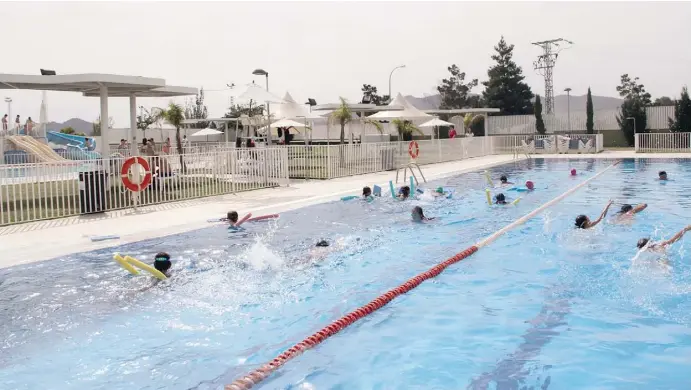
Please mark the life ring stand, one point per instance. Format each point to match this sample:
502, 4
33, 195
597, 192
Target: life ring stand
413, 149
124, 174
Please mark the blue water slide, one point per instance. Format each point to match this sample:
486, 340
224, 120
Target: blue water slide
76, 145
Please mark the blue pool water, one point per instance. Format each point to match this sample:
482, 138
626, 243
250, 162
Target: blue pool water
545, 306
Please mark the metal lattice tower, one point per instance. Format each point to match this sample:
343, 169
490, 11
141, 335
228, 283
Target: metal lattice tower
544, 65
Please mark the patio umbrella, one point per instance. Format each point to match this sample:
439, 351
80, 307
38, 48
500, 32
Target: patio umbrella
436, 122
206, 132
287, 123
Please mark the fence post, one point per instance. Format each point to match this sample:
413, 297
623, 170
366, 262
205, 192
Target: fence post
234, 155
636, 143
284, 163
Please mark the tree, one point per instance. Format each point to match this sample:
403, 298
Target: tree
539, 123
454, 90
342, 115
663, 101
96, 125
175, 114
505, 88
477, 125
589, 122
405, 129
146, 119
633, 108
632, 111
630, 89
67, 130
369, 93
682, 113
196, 109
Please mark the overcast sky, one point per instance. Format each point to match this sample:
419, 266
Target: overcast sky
329, 49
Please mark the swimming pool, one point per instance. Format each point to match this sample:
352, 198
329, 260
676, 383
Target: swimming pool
543, 306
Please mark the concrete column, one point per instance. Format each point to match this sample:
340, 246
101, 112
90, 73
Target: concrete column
131, 134
104, 122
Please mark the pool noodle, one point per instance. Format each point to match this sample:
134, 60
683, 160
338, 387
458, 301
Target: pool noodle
393, 191
489, 197
516, 201
263, 217
145, 267
489, 180
349, 197
412, 185
124, 264
216, 220
243, 220
104, 238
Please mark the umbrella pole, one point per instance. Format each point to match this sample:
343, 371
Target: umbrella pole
438, 142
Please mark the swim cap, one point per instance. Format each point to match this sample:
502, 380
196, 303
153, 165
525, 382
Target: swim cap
440, 190
529, 185
642, 242
573, 172
323, 243
162, 256
580, 221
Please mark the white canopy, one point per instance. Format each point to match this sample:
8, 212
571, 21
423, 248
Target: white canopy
408, 112
205, 132
287, 123
436, 122
258, 94
290, 109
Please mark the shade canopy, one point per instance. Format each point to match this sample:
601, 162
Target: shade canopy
436, 122
258, 94
408, 112
290, 109
205, 132
287, 123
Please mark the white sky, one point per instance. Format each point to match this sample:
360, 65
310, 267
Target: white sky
326, 49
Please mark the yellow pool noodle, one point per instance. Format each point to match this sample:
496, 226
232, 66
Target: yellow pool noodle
124, 264
489, 197
516, 201
145, 267
489, 180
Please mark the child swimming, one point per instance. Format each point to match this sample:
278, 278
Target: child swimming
500, 199
232, 217
418, 215
583, 222
404, 193
162, 264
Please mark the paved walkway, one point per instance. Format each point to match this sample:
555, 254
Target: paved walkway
54, 238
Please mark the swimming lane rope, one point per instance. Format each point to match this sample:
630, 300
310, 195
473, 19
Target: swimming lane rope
248, 381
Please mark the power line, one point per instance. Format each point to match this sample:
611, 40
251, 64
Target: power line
544, 65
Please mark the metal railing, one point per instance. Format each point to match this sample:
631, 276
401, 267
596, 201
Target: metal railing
662, 142
541, 144
31, 192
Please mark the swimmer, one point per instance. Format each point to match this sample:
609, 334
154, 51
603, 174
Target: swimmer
440, 192
367, 194
418, 215
504, 180
161, 263
583, 222
404, 193
628, 211
573, 172
323, 248
232, 217
529, 185
660, 247
500, 199
662, 175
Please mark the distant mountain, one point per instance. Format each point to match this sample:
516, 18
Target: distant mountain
561, 102
79, 125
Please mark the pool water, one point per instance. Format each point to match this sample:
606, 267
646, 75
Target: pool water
545, 306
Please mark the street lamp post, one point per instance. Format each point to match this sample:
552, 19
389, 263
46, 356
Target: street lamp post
391, 74
8, 100
262, 72
568, 105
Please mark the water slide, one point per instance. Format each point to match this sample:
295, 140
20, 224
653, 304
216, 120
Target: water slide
42, 152
76, 145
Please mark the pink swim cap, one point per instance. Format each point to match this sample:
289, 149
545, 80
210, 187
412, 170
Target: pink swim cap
529, 185
573, 172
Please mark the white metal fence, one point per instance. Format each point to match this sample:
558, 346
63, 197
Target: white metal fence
30, 192
662, 142
61, 188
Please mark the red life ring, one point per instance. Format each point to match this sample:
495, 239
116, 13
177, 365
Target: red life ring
124, 174
413, 149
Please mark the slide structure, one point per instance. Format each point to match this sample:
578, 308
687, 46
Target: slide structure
76, 145
40, 151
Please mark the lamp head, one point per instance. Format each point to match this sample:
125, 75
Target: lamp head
260, 72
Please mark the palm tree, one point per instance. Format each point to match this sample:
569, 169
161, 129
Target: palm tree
342, 115
405, 129
174, 115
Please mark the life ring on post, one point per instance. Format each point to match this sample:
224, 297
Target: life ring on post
125, 174
413, 149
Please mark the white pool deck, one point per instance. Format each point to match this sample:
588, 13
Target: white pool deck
44, 240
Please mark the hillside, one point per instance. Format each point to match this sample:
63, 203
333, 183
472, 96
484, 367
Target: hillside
79, 125
600, 103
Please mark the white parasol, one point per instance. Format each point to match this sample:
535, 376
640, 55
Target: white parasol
436, 122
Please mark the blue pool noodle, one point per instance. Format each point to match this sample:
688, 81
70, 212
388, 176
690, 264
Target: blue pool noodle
412, 185
104, 238
349, 197
393, 190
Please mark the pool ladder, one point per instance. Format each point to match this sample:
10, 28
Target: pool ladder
411, 165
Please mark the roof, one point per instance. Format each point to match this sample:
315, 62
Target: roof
167, 91
79, 82
464, 111
409, 111
357, 107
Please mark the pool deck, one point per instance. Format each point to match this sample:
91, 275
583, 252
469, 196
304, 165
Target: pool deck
43, 240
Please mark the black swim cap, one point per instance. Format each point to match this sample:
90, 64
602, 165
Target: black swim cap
500, 198
503, 178
626, 208
580, 221
323, 243
642, 242
366, 190
662, 173
162, 256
